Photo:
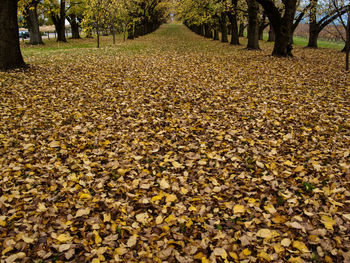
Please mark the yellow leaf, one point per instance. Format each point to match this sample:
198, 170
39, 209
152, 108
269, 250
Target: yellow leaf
41, 207
171, 198
289, 163
278, 248
157, 197
3, 221
27, 239
264, 233
106, 142
106, 217
346, 216
85, 196
238, 209
192, 208
164, 184
199, 255
176, 164
184, 191
142, 218
170, 218
8, 249
286, 242
98, 239
64, 247
270, 208
300, 246
328, 222
202, 162
131, 241
205, 260
295, 260
264, 255
246, 252
299, 169
54, 144
259, 164
220, 252
159, 220
122, 171
189, 223
82, 212
95, 260
121, 251
64, 238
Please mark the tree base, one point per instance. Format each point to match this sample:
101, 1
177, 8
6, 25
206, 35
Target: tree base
20, 66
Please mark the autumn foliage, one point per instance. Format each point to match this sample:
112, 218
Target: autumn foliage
174, 148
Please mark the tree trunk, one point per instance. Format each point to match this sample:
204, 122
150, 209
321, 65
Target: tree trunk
271, 35
282, 25
223, 28
261, 33
262, 26
98, 32
216, 34
10, 53
282, 45
59, 22
253, 25
62, 28
208, 32
74, 24
131, 32
234, 28
313, 34
33, 23
241, 29
113, 33
202, 30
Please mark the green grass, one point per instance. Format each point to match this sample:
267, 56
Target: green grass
145, 44
322, 43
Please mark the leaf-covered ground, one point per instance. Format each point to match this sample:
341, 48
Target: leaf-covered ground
173, 148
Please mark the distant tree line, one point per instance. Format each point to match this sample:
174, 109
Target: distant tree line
133, 18
229, 17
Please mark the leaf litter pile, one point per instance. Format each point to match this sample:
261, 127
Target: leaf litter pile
173, 148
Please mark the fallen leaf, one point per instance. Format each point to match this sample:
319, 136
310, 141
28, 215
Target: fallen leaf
131, 241
300, 246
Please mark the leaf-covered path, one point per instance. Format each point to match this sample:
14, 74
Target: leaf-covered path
173, 148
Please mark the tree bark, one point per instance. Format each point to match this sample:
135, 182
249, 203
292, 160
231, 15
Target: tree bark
74, 24
59, 22
253, 25
234, 28
31, 16
282, 25
216, 34
316, 26
223, 28
202, 30
313, 28
262, 26
10, 53
208, 33
313, 35
131, 32
271, 35
241, 29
